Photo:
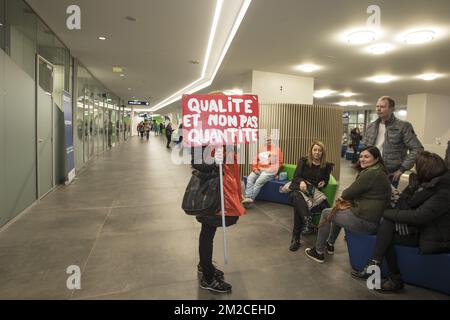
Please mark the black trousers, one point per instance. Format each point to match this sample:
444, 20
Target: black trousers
169, 138
387, 237
206, 240
301, 210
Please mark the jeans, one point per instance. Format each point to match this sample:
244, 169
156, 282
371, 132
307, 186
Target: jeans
391, 180
255, 182
384, 245
343, 219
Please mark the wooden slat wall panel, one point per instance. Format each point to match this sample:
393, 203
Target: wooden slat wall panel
299, 126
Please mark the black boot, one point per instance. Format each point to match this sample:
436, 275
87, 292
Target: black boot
393, 284
309, 227
295, 242
364, 274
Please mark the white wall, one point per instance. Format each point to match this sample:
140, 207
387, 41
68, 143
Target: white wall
282, 88
430, 116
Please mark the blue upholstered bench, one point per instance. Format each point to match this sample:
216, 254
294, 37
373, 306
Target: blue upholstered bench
428, 271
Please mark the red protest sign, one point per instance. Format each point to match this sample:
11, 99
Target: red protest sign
219, 119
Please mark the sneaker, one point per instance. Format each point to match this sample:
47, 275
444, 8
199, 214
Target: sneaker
314, 255
216, 285
247, 200
217, 273
330, 249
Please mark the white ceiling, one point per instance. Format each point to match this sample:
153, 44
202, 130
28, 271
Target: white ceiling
275, 36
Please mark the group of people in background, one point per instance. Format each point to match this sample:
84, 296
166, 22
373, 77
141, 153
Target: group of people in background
391, 147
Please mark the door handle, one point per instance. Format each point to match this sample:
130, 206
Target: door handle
41, 140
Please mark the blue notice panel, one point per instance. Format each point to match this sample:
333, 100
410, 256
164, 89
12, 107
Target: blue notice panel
70, 163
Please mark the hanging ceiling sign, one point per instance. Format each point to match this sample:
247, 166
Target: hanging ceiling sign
219, 119
138, 103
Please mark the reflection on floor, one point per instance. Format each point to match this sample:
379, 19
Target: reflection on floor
121, 223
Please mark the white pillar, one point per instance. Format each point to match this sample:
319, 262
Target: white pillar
430, 116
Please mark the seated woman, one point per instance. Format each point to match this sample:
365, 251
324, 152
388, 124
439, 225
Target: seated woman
312, 171
421, 218
370, 194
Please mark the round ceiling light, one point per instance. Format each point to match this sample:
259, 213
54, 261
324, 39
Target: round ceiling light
308, 67
419, 37
429, 76
323, 93
361, 37
382, 79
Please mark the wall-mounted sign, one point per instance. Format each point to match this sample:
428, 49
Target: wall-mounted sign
138, 103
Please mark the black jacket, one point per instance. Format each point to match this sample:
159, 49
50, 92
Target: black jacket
305, 172
429, 210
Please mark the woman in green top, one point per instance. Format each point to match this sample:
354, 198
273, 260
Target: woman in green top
370, 194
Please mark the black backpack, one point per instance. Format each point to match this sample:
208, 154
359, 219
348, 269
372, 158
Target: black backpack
202, 195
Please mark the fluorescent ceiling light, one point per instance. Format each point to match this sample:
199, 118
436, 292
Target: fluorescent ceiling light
102, 38
379, 49
308, 67
382, 79
323, 93
419, 37
122, 75
203, 81
347, 94
429, 76
212, 35
361, 37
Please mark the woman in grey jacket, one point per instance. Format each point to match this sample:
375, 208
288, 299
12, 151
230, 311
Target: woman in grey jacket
370, 194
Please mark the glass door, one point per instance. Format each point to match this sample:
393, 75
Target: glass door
44, 126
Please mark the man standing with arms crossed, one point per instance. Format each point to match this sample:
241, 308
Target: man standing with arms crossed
395, 138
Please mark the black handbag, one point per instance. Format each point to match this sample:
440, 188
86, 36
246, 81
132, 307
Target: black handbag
202, 194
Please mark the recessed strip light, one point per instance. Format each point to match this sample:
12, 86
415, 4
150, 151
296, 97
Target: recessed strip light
348, 94
419, 37
102, 38
203, 82
308, 67
212, 35
429, 76
361, 37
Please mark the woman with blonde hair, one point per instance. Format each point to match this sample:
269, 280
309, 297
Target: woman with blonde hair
311, 176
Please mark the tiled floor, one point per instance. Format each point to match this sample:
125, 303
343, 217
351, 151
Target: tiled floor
120, 221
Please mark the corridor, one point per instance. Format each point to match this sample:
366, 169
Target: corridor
121, 222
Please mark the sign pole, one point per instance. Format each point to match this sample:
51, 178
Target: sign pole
222, 206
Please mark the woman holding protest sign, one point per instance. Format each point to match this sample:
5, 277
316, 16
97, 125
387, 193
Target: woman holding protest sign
213, 278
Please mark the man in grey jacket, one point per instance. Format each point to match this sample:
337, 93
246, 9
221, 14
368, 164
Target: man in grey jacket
395, 138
